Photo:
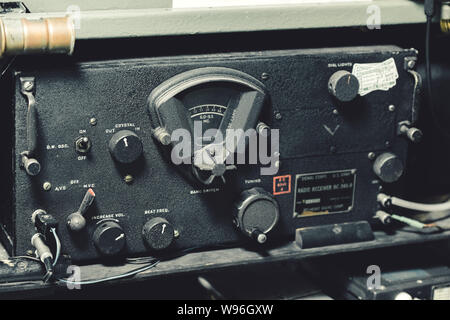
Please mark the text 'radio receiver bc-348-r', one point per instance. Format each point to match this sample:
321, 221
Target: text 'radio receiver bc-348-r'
143, 156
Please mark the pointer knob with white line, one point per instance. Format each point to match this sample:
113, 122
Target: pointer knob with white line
158, 233
109, 238
125, 146
343, 85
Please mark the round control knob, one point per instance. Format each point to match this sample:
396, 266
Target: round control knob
388, 167
403, 296
257, 213
125, 146
158, 233
109, 238
343, 85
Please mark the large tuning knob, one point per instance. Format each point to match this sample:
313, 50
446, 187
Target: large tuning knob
343, 85
256, 214
109, 238
125, 146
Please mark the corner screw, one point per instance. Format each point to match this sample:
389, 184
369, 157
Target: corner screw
371, 155
129, 178
47, 186
29, 252
277, 164
411, 64
278, 116
28, 85
391, 108
93, 121
176, 233
264, 76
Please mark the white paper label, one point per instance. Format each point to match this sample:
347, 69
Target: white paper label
375, 76
441, 293
239, 3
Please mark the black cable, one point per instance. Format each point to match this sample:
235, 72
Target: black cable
7, 65
150, 261
429, 8
117, 277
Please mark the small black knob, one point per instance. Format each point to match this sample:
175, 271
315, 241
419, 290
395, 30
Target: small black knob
125, 146
343, 85
158, 233
388, 167
109, 238
256, 214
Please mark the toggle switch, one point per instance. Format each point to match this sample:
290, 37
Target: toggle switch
83, 145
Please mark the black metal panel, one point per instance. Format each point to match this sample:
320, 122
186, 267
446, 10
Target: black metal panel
116, 93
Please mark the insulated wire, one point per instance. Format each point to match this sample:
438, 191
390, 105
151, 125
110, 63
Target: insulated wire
120, 276
136, 271
411, 222
58, 246
420, 206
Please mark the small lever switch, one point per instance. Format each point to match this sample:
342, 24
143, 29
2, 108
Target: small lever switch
76, 220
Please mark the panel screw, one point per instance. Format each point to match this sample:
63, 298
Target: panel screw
391, 108
387, 143
28, 85
371, 155
47, 186
335, 111
129, 178
278, 116
93, 121
333, 149
176, 233
264, 76
29, 252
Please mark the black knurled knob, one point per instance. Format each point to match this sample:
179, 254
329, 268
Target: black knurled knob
257, 213
343, 85
109, 238
125, 146
158, 233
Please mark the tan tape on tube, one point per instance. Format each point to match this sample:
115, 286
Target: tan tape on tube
24, 36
